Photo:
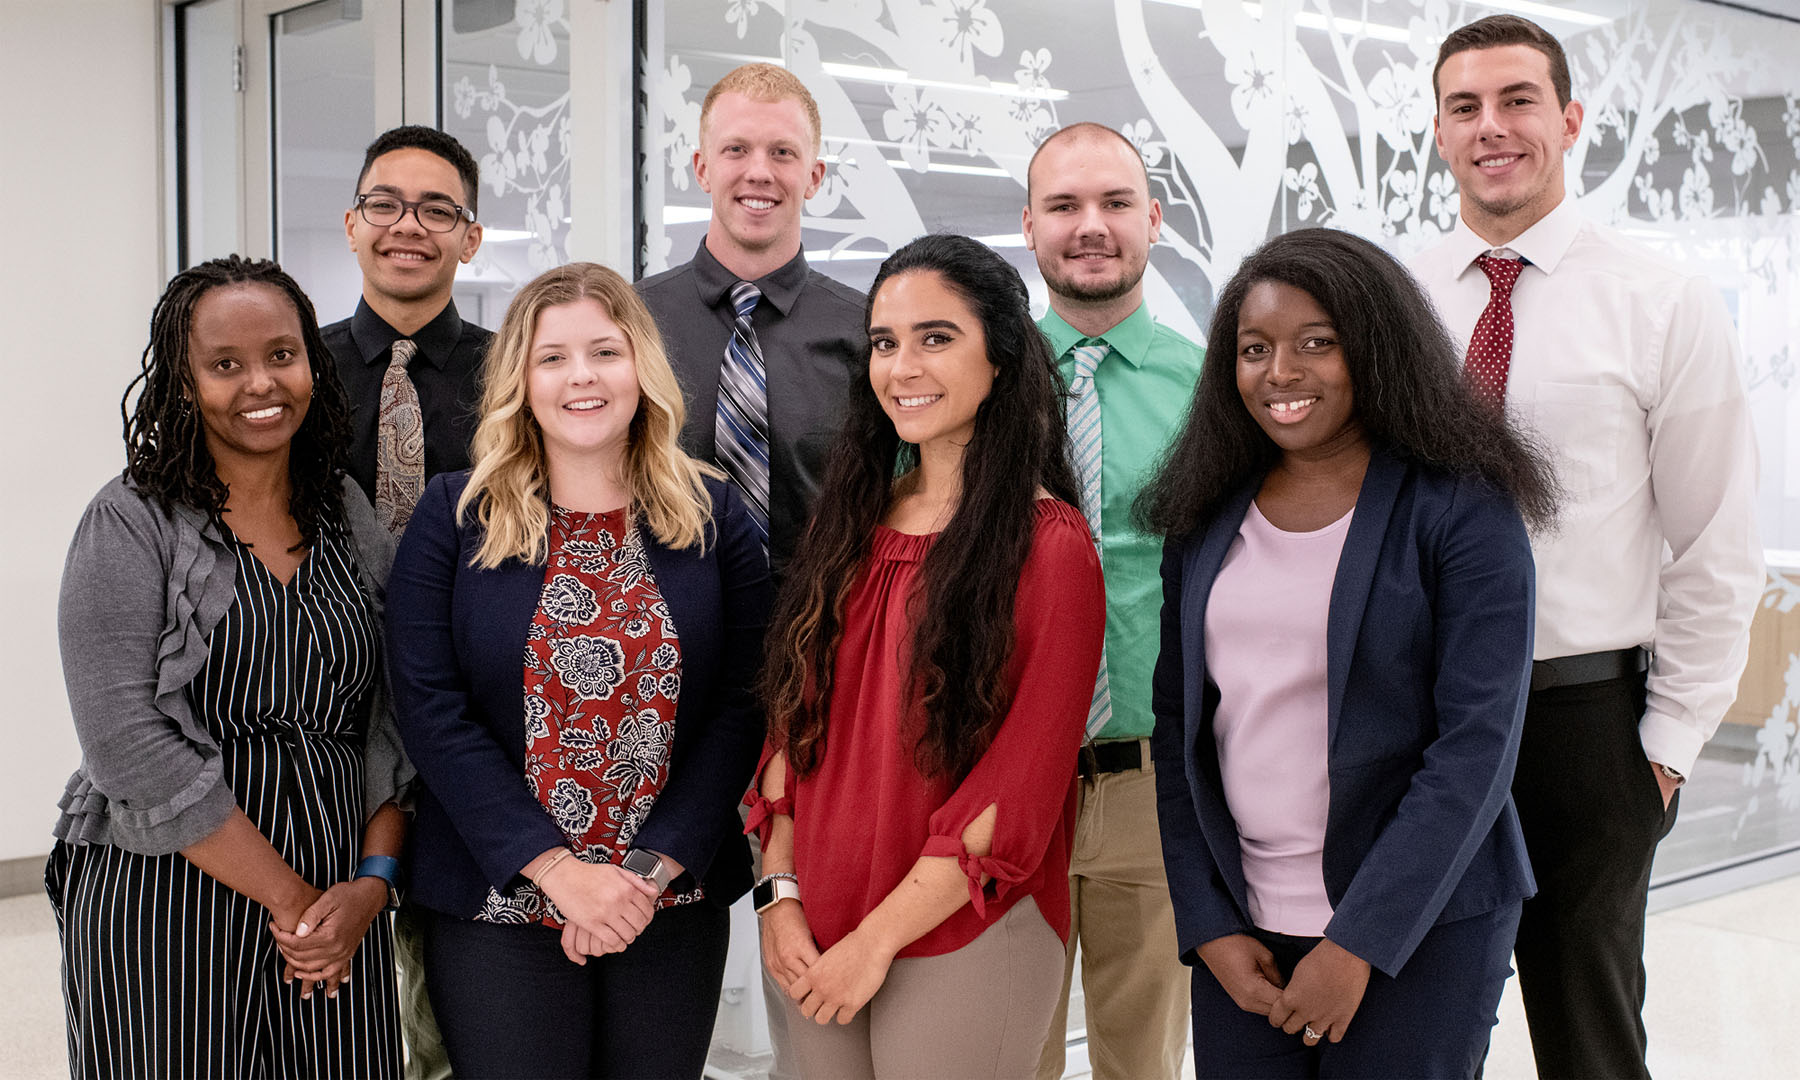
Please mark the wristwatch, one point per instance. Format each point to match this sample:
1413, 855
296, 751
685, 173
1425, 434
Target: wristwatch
648, 865
387, 868
1671, 774
773, 889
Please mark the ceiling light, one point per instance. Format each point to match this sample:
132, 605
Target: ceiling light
1551, 12
1312, 20
898, 77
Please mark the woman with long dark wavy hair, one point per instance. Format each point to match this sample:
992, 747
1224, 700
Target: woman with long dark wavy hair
231, 836
1346, 651
930, 664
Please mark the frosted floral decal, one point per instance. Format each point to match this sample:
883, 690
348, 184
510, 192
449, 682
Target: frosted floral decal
524, 151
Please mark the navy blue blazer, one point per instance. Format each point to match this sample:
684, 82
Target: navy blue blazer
1428, 648
456, 643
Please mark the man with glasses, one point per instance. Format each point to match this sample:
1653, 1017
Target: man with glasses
412, 369
407, 359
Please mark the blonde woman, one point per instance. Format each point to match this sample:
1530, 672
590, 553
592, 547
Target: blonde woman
574, 627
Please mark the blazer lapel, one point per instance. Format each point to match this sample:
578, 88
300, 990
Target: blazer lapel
1355, 574
1200, 752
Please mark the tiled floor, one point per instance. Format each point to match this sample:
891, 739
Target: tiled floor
1724, 991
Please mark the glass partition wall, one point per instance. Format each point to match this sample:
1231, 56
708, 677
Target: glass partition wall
1257, 118
1252, 118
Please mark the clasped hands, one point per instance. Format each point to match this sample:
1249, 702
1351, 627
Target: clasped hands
325, 931
833, 985
1323, 994
604, 906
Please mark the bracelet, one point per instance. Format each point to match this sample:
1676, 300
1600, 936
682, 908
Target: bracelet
783, 876
385, 869
545, 869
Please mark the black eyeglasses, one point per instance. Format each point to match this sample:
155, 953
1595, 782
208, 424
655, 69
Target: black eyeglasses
433, 215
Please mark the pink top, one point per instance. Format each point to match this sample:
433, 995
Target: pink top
1265, 650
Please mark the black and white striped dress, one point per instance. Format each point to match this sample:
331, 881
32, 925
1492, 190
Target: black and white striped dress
169, 973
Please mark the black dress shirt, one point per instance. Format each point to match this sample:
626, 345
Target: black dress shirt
813, 340
446, 371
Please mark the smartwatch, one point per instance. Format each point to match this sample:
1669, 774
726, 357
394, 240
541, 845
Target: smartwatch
773, 889
648, 865
387, 868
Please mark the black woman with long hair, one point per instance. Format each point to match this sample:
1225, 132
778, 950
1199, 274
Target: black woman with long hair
1346, 650
930, 665
232, 835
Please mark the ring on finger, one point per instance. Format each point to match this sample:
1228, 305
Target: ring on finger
1311, 1035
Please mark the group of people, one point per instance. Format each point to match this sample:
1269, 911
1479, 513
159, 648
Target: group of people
1446, 614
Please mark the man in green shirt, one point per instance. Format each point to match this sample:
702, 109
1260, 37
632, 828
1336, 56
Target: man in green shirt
1091, 221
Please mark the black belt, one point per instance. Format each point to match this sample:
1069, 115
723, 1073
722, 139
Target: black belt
1097, 758
1589, 668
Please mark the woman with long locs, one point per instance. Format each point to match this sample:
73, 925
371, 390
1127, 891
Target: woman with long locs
1346, 651
931, 661
230, 840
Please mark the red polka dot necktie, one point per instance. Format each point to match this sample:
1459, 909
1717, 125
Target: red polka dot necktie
1490, 346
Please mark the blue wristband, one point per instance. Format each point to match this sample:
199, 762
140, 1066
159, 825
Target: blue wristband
385, 867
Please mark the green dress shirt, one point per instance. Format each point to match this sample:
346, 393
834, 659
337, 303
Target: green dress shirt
1145, 385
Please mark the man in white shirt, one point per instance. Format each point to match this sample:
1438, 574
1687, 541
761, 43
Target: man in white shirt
1628, 369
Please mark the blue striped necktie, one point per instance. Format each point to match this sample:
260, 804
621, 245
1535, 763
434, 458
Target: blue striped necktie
741, 424
1084, 446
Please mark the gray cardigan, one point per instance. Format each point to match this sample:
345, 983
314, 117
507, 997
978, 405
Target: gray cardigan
141, 594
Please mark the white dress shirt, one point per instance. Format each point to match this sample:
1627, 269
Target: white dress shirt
1628, 369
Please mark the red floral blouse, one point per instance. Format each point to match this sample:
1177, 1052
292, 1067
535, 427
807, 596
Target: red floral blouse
602, 677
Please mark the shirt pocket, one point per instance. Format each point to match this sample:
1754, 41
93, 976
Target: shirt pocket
1581, 424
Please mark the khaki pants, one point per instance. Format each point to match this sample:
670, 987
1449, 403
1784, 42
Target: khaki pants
1136, 990
978, 1012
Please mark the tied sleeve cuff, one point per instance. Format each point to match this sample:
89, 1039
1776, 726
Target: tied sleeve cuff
763, 812
990, 877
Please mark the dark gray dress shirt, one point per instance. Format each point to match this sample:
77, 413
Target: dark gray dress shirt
814, 341
446, 371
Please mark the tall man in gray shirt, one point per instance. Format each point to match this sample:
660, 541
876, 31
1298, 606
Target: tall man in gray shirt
764, 346
759, 160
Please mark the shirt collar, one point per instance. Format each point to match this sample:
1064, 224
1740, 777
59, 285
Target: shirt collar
780, 286
1543, 245
1130, 338
375, 339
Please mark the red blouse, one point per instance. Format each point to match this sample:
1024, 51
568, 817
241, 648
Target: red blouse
866, 814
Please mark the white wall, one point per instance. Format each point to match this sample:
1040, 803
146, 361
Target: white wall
79, 188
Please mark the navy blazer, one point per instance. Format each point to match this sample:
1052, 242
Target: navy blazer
456, 643
1428, 648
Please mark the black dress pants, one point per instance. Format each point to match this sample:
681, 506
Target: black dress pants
1592, 814
1431, 1022
510, 1004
